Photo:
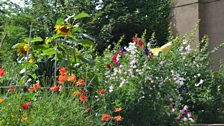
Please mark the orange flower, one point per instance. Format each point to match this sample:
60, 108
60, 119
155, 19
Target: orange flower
24, 118
1, 72
37, 86
118, 109
11, 89
1, 100
71, 78
80, 82
106, 117
83, 98
118, 118
63, 71
31, 89
76, 93
102, 91
54, 88
62, 78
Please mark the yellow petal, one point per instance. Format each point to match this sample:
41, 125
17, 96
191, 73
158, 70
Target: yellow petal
166, 48
156, 51
1, 100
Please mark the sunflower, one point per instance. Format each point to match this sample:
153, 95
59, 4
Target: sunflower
22, 49
63, 29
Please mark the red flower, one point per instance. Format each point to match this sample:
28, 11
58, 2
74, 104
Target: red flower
71, 78
83, 92
80, 82
31, 89
115, 60
108, 66
54, 88
11, 89
62, 78
118, 118
26, 105
1, 72
102, 91
138, 41
37, 86
62, 71
106, 117
83, 98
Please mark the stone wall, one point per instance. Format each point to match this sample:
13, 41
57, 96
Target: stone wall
187, 13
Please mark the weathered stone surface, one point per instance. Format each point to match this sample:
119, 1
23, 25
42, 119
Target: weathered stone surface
187, 13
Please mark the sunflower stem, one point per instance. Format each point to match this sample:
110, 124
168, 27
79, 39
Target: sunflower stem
55, 62
28, 50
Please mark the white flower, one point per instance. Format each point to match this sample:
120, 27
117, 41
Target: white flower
111, 88
200, 83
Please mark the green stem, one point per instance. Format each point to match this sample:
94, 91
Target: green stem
27, 55
55, 63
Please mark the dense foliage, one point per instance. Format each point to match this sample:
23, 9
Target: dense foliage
59, 79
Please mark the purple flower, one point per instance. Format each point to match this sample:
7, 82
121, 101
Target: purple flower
123, 49
146, 51
182, 88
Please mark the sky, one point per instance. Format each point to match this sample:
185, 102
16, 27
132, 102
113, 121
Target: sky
19, 2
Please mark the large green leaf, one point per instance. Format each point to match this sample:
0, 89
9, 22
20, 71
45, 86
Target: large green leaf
18, 45
37, 39
82, 15
49, 52
59, 21
85, 43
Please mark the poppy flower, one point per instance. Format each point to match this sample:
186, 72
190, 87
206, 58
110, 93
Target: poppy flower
37, 86
83, 92
76, 93
63, 71
54, 88
1, 100
11, 89
63, 29
31, 89
83, 98
102, 91
62, 78
80, 82
71, 78
118, 109
106, 117
88, 110
1, 72
118, 118
24, 118
26, 105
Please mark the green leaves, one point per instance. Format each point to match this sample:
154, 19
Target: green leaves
60, 21
86, 43
37, 39
49, 52
81, 15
